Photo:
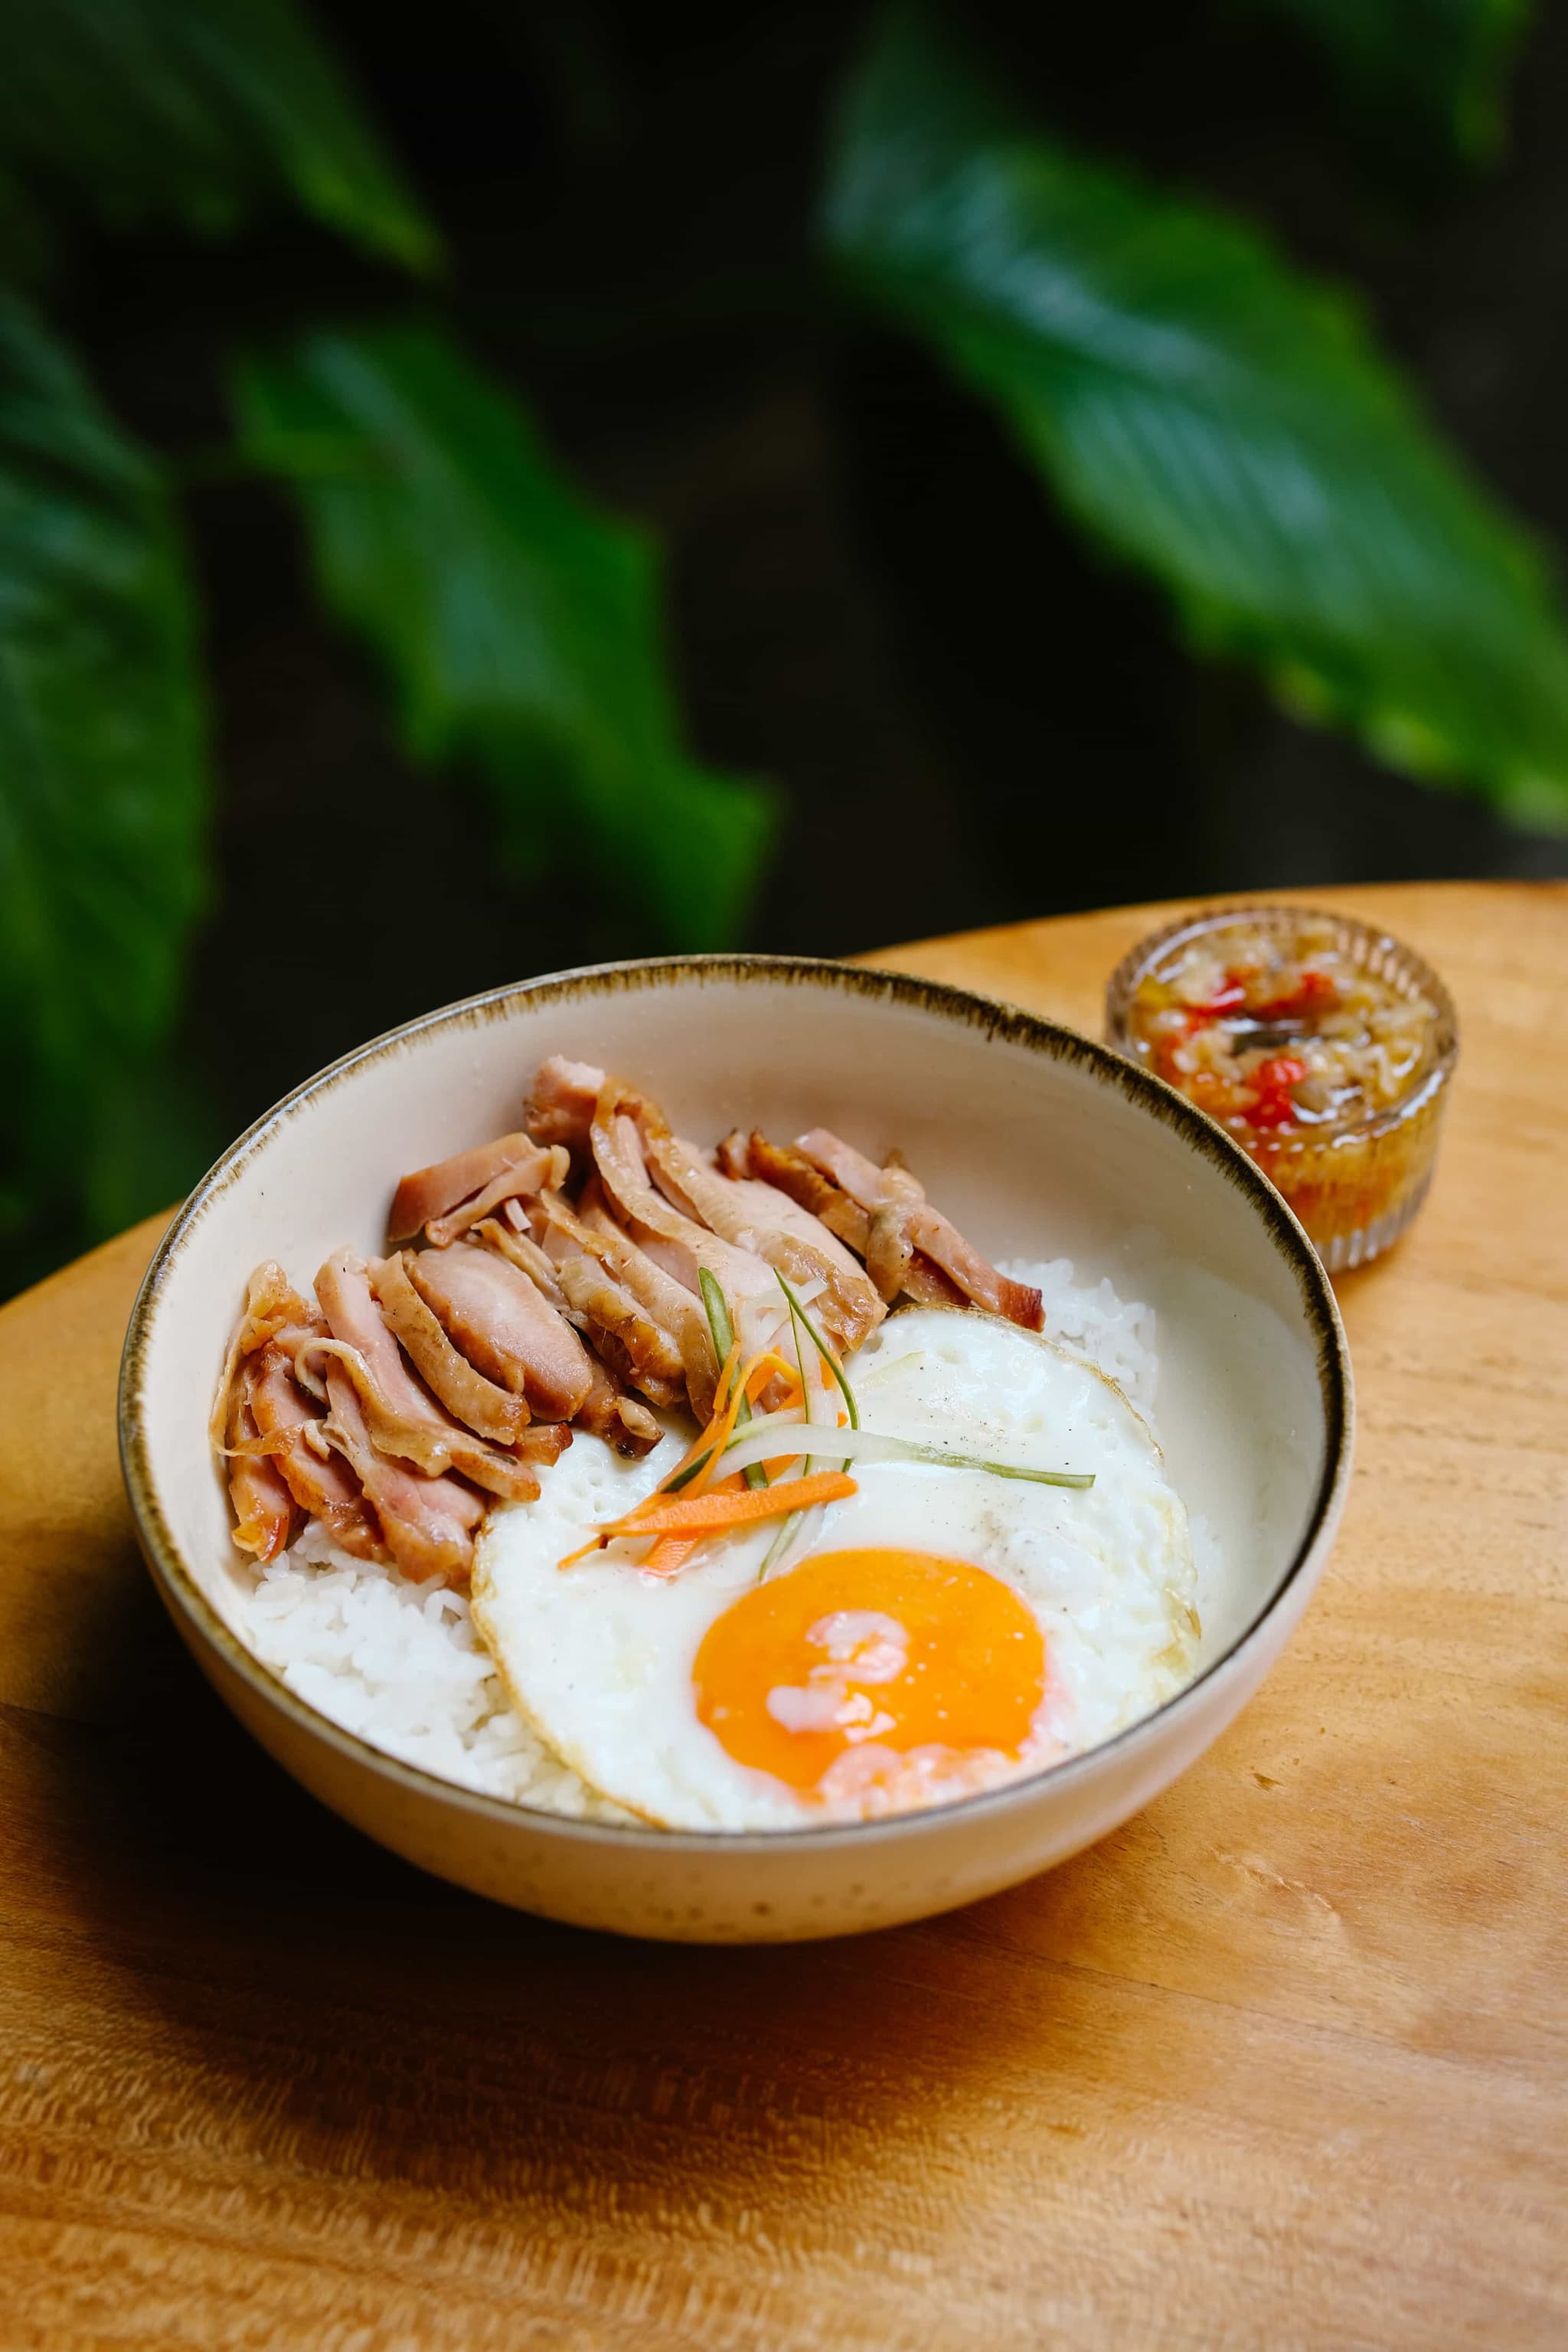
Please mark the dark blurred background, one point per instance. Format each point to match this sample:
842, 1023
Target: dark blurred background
972, 716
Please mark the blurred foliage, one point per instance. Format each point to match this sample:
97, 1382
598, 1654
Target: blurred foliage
1442, 62
520, 629
138, 111
102, 793
1204, 414
1212, 417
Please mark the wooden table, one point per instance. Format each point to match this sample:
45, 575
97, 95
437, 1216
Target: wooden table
1281, 2064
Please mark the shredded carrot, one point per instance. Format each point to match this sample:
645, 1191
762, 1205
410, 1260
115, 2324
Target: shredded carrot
732, 1386
683, 1514
768, 1366
719, 1433
708, 1449
670, 1553
679, 1521
703, 1442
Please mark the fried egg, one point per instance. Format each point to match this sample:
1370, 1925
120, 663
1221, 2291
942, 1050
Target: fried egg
940, 1631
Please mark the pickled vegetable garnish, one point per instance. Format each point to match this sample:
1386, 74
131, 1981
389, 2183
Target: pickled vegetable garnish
1323, 1046
1271, 1031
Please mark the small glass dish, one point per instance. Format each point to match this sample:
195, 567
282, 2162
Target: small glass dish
1322, 1045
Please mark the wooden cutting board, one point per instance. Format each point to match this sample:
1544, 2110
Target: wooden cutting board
1283, 2063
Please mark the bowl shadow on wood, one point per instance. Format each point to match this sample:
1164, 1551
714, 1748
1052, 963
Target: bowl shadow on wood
321, 2013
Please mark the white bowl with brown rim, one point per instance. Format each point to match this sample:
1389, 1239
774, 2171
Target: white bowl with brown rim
1039, 1143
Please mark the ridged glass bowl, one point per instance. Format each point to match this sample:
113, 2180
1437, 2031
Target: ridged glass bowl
1354, 1183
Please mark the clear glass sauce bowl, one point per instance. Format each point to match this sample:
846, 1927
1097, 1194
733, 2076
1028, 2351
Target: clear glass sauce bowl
1354, 1182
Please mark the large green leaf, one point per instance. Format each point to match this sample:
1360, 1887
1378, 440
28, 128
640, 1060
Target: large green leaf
520, 626
102, 787
1445, 62
196, 110
1212, 417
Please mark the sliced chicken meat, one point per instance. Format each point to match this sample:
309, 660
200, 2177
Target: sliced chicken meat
631, 1339
403, 1418
321, 1483
772, 1227
780, 1164
263, 1507
427, 1523
893, 1191
447, 1199
733, 1153
437, 1370
672, 1239
544, 1442
492, 1311
272, 1306
609, 1411
616, 1125
456, 1380
511, 1237
667, 1302
893, 1264
560, 1109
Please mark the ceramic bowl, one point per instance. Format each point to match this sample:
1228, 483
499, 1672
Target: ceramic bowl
1038, 1143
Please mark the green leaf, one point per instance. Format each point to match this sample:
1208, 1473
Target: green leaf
1445, 62
155, 109
1213, 418
519, 625
102, 780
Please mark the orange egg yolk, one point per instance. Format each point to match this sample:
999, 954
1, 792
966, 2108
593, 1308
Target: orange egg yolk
895, 1651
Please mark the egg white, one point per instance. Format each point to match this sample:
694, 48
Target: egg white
599, 1657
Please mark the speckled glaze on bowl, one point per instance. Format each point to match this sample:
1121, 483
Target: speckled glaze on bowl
1038, 1142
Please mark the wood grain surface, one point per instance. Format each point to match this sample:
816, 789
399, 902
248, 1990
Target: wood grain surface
1281, 2064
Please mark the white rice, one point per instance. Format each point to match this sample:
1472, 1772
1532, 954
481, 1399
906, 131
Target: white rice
400, 1663
1115, 1335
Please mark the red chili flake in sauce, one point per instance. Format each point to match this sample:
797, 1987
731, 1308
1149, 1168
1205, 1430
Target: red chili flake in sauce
1231, 997
1314, 993
1273, 1080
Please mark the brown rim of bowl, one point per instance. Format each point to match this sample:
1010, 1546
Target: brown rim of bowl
995, 1019
1124, 980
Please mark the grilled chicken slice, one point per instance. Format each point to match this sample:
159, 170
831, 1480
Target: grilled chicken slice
494, 1412
322, 1484
892, 1262
672, 1239
733, 1153
427, 1523
560, 1109
447, 1199
432, 1363
582, 1265
272, 1305
667, 1302
506, 1328
767, 1223
625, 1339
894, 1192
791, 1172
264, 1510
403, 1419
610, 1411
629, 1350
511, 1237
545, 1441
614, 1125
